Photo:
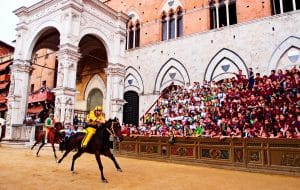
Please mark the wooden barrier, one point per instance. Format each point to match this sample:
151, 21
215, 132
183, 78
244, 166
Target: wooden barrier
281, 156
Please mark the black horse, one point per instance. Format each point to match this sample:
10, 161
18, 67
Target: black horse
99, 144
54, 136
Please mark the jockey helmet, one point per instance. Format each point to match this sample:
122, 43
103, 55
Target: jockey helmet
98, 108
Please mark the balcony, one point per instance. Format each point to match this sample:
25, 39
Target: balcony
41, 96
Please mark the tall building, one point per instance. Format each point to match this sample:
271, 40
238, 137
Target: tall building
122, 54
6, 59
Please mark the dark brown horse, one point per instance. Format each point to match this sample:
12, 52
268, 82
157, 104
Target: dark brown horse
99, 144
54, 136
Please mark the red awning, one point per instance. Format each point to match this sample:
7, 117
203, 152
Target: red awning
3, 108
3, 85
35, 109
5, 77
2, 99
5, 65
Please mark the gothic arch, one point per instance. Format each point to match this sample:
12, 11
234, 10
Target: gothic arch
100, 35
171, 71
284, 46
133, 81
167, 5
224, 62
95, 82
134, 15
37, 34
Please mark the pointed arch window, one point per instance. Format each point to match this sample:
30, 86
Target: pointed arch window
164, 23
179, 23
130, 37
172, 25
133, 35
282, 6
222, 13
137, 35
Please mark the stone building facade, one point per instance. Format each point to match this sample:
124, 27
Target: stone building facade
126, 52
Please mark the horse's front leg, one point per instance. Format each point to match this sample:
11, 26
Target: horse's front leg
77, 155
37, 153
97, 155
36, 142
65, 154
54, 151
112, 157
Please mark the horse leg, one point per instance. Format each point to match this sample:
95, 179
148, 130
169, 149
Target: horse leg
38, 140
65, 154
34, 145
37, 153
54, 151
112, 157
77, 155
97, 155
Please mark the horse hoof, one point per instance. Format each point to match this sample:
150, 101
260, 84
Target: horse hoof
120, 170
104, 181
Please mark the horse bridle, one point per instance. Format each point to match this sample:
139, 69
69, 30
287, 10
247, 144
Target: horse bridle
111, 130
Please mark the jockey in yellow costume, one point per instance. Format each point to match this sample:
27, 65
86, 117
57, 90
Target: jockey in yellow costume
94, 120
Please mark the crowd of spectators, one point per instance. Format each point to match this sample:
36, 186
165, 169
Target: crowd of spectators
239, 107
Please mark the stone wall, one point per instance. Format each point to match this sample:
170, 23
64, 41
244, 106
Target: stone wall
259, 44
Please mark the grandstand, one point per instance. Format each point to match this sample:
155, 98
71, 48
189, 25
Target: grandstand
233, 108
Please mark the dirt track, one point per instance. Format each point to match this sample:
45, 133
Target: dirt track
21, 170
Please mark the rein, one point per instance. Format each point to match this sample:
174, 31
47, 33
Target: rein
111, 130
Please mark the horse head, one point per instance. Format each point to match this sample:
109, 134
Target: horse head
114, 128
58, 126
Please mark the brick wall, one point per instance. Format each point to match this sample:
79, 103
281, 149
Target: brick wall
196, 14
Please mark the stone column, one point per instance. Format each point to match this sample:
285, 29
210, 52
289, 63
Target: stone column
65, 91
127, 38
281, 6
294, 5
227, 12
168, 28
217, 15
134, 33
115, 91
175, 18
18, 94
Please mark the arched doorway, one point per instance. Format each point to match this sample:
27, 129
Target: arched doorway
91, 79
131, 108
94, 99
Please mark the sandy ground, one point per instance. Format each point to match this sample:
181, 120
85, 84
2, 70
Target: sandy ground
20, 169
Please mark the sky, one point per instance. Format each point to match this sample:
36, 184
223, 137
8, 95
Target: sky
9, 20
